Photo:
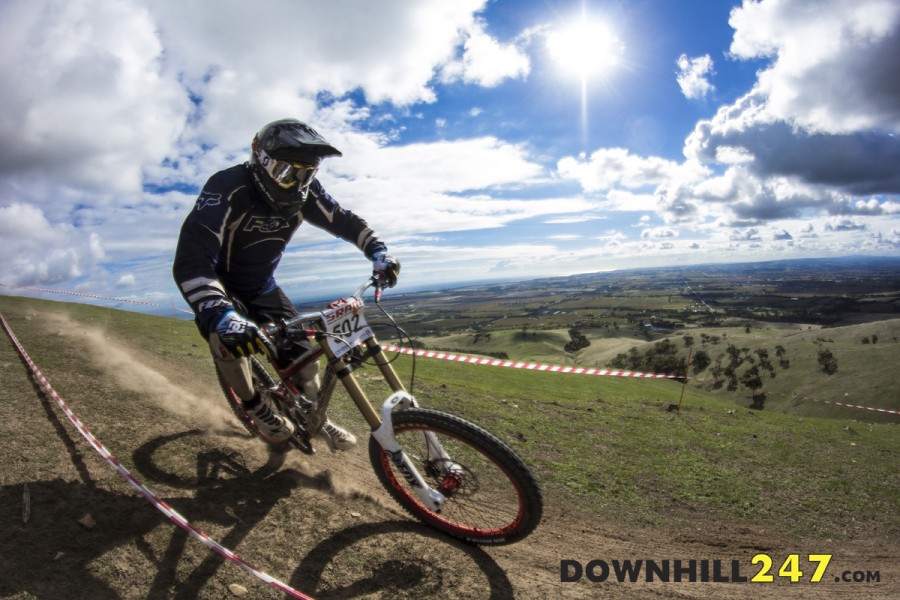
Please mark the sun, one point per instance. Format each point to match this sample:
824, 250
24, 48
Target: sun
587, 48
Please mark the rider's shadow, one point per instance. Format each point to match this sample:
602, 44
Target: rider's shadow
227, 493
402, 558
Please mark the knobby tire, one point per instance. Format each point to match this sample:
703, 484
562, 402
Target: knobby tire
499, 501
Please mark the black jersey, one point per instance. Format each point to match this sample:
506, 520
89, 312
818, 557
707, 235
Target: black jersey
232, 241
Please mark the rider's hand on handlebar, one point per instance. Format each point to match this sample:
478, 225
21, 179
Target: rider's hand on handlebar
242, 337
385, 268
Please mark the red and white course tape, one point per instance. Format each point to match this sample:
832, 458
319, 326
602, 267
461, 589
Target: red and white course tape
164, 508
884, 410
511, 364
493, 362
94, 296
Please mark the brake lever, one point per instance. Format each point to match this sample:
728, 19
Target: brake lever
379, 288
271, 351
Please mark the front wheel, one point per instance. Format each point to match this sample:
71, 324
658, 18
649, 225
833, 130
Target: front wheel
492, 495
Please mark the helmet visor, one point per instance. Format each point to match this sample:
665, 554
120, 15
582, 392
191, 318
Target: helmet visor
288, 174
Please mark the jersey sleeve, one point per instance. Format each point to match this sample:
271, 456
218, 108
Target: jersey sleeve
197, 254
323, 211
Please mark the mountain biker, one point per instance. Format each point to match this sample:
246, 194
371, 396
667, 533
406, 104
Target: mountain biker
232, 241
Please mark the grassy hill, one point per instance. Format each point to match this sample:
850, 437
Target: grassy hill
610, 452
786, 357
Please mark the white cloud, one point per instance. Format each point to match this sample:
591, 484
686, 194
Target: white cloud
745, 235
826, 109
693, 76
688, 193
658, 233
612, 167
861, 163
816, 134
36, 252
441, 186
389, 50
573, 219
447, 166
485, 61
833, 64
844, 224
83, 94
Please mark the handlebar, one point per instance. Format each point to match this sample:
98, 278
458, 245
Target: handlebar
276, 330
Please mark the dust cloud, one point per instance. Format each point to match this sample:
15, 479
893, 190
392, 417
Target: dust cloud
127, 370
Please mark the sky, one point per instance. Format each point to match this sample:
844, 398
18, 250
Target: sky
483, 140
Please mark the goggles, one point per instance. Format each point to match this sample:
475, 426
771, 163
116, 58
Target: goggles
287, 174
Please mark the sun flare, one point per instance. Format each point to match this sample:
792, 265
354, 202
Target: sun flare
587, 48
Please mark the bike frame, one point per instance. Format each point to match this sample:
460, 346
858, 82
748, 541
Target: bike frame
315, 325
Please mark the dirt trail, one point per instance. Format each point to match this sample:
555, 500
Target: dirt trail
322, 523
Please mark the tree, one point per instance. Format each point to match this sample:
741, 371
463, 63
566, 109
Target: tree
734, 355
578, 341
700, 361
752, 379
827, 362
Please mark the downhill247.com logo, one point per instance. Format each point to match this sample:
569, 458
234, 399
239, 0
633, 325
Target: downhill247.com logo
764, 570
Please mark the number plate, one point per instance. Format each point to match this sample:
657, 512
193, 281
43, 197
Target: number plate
345, 318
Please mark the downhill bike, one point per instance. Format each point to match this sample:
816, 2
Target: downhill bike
450, 474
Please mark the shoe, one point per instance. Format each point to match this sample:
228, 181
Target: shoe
273, 426
337, 437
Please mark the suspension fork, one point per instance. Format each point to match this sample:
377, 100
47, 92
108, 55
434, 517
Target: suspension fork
431, 498
435, 450
387, 370
435, 454
382, 425
344, 373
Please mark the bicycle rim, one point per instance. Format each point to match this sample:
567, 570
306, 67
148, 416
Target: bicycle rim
495, 498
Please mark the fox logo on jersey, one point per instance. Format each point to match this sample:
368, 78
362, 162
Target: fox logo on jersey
266, 224
207, 199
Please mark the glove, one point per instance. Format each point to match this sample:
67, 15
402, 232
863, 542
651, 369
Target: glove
385, 268
240, 336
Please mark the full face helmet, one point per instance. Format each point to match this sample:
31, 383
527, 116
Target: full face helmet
284, 158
